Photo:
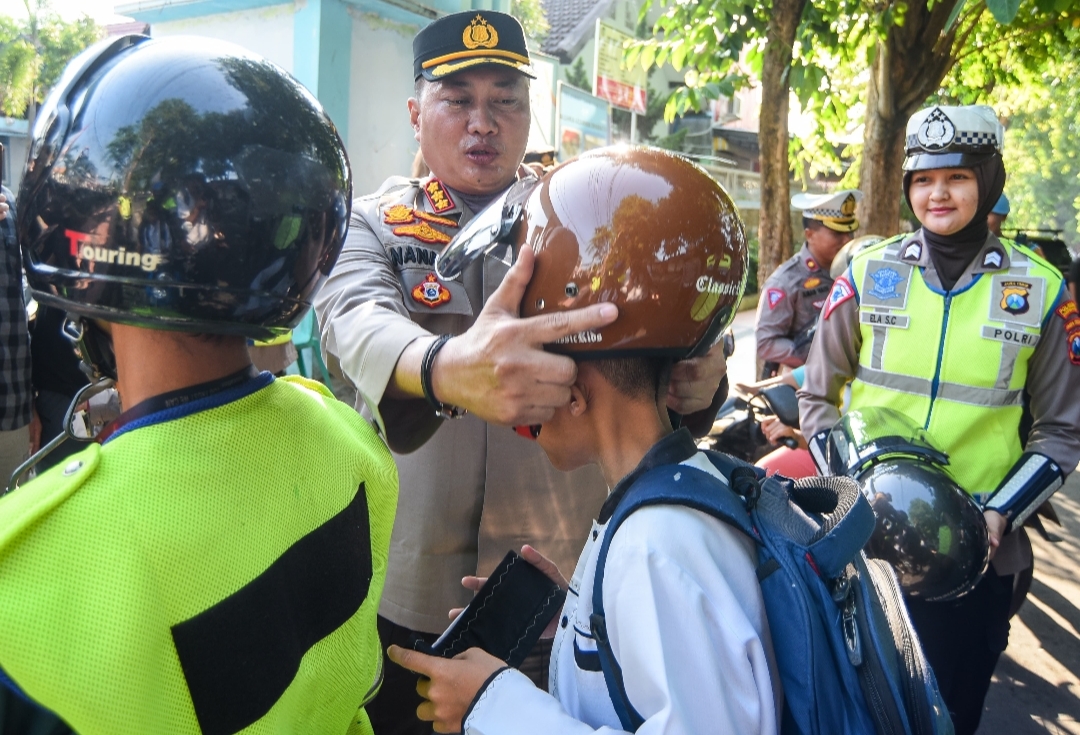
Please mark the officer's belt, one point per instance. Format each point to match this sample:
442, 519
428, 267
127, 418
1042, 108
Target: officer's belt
971, 395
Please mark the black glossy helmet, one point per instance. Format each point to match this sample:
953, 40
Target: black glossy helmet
928, 528
182, 183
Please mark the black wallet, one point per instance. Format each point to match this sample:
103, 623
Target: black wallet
507, 615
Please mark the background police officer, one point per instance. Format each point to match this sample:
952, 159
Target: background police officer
793, 295
950, 325
418, 348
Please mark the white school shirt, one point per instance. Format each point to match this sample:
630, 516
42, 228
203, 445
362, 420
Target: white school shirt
687, 625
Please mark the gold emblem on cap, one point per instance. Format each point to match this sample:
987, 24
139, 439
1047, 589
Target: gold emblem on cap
479, 33
848, 207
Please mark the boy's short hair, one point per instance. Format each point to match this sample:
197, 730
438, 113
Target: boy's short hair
635, 377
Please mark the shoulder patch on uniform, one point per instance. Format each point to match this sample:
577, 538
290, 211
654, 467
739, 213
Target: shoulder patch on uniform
841, 292
438, 197
774, 296
1070, 315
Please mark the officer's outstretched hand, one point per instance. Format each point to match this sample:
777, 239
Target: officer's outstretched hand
498, 368
449, 686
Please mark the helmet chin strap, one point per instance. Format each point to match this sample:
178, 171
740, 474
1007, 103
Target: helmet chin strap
93, 345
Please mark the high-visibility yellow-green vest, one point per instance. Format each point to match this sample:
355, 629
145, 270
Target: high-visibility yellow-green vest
215, 568
956, 362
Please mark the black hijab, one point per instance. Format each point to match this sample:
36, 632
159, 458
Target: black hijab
952, 253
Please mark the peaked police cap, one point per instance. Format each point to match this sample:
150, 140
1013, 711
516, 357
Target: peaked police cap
466, 40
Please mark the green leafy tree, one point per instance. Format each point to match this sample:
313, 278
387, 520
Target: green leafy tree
920, 48
724, 45
34, 52
576, 76
533, 19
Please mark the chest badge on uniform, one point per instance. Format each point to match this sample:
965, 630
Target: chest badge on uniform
438, 197
430, 292
885, 282
414, 223
811, 282
774, 296
1014, 297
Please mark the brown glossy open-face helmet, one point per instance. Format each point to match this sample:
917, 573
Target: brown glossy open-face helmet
638, 227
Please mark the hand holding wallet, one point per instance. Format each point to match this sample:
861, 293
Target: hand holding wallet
507, 615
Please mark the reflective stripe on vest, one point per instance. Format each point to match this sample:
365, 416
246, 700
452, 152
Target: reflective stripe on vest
956, 362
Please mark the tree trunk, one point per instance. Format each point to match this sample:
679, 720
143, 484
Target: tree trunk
880, 173
774, 230
908, 67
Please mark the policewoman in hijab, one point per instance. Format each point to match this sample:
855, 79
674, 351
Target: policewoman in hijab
950, 325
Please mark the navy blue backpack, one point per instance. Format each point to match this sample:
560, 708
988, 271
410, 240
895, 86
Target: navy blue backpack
849, 660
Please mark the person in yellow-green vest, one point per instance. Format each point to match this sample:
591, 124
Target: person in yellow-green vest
213, 562
952, 325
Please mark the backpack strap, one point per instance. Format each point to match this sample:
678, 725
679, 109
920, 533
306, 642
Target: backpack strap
671, 484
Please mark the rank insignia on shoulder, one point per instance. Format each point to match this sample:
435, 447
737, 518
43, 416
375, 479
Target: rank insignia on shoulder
438, 197
774, 296
841, 292
912, 252
430, 292
423, 232
1069, 314
992, 259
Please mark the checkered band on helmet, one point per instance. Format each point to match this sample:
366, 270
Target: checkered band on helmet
826, 212
944, 136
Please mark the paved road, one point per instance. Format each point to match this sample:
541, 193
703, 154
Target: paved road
1036, 687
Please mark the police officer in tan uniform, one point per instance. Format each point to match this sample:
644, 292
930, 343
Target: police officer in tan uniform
419, 349
793, 295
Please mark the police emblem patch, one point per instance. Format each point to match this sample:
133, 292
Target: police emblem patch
992, 259
479, 34
913, 251
430, 292
1014, 297
937, 131
773, 296
841, 292
885, 282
